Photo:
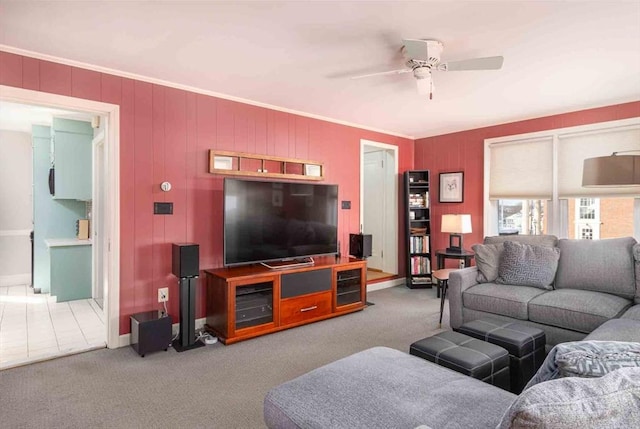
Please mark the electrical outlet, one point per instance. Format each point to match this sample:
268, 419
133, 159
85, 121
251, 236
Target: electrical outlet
163, 294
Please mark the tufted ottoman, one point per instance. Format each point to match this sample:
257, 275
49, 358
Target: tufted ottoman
466, 355
525, 345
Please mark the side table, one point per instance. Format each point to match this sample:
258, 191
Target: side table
443, 280
466, 255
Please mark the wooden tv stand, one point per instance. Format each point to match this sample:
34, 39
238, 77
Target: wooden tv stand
246, 302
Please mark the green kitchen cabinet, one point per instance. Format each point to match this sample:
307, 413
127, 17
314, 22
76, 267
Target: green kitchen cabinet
71, 156
70, 270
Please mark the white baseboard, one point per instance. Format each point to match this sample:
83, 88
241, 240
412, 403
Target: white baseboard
125, 340
386, 284
15, 280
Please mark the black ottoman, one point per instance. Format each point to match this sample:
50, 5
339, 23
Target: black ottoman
461, 353
525, 345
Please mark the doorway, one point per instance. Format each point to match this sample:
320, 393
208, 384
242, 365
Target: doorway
379, 206
105, 212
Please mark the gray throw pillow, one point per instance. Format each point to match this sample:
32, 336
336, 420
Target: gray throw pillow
606, 402
588, 358
527, 265
487, 260
596, 358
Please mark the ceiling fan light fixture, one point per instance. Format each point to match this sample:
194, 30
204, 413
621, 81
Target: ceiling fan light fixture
424, 85
423, 81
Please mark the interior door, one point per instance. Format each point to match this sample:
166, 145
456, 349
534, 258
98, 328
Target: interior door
373, 216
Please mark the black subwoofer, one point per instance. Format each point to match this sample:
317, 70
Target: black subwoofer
360, 245
186, 260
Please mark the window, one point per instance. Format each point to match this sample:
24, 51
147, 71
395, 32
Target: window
533, 183
586, 209
586, 233
521, 217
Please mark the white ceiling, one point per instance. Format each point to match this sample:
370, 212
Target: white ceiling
560, 56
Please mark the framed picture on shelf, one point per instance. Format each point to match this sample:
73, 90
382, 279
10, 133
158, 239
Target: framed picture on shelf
451, 187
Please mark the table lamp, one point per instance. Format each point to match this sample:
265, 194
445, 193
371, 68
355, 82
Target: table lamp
456, 225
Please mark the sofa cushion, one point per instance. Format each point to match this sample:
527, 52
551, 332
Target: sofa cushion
384, 388
606, 402
528, 265
636, 257
535, 240
597, 265
487, 260
505, 300
617, 330
578, 310
632, 313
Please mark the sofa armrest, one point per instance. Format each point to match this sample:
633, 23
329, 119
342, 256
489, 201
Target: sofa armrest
459, 281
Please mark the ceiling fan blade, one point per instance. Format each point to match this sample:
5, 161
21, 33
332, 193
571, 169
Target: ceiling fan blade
416, 49
488, 63
382, 73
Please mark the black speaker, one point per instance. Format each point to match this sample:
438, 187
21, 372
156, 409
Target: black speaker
360, 245
186, 260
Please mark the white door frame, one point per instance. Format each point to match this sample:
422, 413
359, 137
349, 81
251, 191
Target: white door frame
112, 195
392, 227
96, 226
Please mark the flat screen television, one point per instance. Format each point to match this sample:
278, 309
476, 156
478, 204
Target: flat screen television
267, 221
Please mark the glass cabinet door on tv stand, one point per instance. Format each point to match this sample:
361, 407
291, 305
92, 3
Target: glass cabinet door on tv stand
418, 228
254, 305
349, 291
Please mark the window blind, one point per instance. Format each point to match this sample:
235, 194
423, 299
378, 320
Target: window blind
521, 170
572, 151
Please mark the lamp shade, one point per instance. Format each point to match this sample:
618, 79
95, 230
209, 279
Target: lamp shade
456, 223
614, 170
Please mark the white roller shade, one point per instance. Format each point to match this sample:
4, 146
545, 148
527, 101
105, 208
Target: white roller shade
521, 170
572, 151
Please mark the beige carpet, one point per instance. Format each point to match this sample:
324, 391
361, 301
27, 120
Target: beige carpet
214, 386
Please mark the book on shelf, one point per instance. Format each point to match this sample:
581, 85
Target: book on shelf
419, 200
419, 244
420, 265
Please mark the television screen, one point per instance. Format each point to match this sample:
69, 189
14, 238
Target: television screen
272, 221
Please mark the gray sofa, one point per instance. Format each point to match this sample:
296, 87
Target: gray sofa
386, 388
595, 281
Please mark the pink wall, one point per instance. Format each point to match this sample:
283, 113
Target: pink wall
165, 135
464, 151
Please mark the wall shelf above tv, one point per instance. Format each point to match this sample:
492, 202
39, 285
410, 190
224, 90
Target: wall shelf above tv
247, 164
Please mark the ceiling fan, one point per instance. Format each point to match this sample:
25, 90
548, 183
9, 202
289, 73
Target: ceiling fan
423, 56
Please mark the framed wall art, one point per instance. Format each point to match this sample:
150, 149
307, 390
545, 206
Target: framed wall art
451, 187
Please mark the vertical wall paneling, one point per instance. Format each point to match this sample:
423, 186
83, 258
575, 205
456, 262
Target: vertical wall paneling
224, 125
143, 196
301, 138
260, 121
161, 249
127, 203
55, 78
85, 84
10, 69
30, 73
175, 171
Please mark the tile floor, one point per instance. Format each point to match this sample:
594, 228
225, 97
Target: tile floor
34, 327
